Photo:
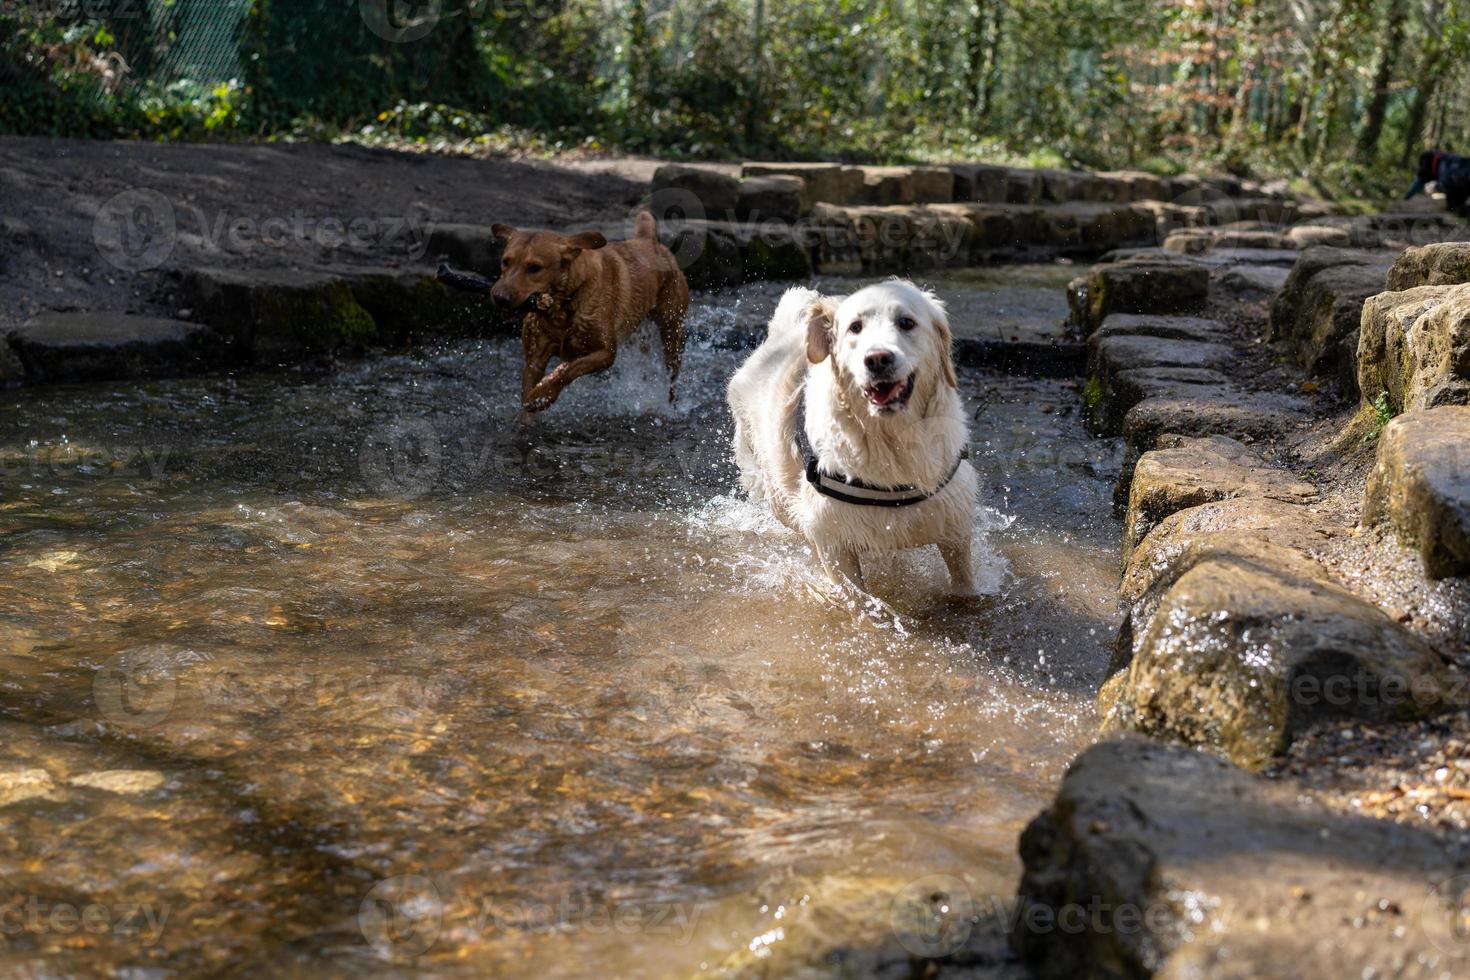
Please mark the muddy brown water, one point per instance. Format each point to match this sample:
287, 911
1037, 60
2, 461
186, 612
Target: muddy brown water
338, 673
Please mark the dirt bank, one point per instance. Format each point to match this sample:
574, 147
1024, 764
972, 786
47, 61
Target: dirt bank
265, 206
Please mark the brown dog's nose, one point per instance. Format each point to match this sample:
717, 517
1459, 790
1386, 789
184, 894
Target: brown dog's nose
879, 361
501, 297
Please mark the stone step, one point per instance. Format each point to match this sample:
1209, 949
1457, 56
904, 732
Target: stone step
1234, 651
1414, 348
1138, 284
1194, 241
272, 315
1445, 264
1132, 357
1317, 313
1155, 860
107, 346
1185, 472
1420, 484
1252, 281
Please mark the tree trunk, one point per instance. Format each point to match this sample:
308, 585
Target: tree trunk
1419, 111
992, 57
1388, 55
757, 42
975, 66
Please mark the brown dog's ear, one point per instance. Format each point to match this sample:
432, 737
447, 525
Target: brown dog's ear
502, 232
819, 316
940, 316
590, 240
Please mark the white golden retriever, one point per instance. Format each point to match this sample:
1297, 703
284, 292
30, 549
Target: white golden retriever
883, 464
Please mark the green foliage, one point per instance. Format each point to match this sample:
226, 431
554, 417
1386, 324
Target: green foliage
1340, 90
1382, 414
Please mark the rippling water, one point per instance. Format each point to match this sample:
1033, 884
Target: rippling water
343, 673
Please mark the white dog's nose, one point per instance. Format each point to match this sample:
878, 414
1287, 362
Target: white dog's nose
879, 362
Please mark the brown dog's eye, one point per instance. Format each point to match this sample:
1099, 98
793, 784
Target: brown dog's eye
505, 263
855, 327
533, 268
906, 323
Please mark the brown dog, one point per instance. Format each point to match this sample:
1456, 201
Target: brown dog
581, 297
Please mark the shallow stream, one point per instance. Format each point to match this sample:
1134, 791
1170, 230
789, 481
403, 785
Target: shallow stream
343, 672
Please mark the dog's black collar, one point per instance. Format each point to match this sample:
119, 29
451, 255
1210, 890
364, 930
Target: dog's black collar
850, 490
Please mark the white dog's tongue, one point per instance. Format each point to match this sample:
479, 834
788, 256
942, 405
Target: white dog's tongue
882, 394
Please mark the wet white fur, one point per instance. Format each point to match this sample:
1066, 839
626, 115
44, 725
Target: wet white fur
916, 445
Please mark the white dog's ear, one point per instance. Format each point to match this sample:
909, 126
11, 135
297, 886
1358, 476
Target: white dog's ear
940, 316
819, 315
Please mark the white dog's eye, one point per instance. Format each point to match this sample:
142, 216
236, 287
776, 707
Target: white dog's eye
907, 323
855, 327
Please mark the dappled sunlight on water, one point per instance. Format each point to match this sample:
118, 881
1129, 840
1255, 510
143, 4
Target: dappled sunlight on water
390, 672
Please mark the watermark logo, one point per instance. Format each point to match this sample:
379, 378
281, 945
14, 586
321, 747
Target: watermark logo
399, 22
136, 231
677, 206
136, 688
402, 459
1445, 918
932, 916
402, 917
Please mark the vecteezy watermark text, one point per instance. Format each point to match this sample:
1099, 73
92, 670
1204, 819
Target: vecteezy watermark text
139, 230
26, 913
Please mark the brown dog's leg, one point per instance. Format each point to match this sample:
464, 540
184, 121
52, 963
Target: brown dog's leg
538, 352
673, 304
564, 374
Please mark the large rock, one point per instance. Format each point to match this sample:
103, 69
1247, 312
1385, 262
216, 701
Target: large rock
1155, 325
1186, 472
778, 197
884, 186
1107, 401
408, 305
1318, 311
706, 251
979, 182
677, 185
1157, 860
1420, 483
1141, 186
276, 314
933, 185
472, 247
1307, 236
1061, 186
832, 235
772, 250
1245, 651
105, 346
824, 181
1132, 357
1233, 528
1200, 240
1432, 265
1139, 286
1115, 353
1253, 280
1022, 186
1207, 410
1414, 348
883, 236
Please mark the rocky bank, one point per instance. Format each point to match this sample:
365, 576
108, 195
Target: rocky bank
1296, 512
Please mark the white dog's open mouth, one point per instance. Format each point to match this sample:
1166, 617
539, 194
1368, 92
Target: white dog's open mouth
890, 394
